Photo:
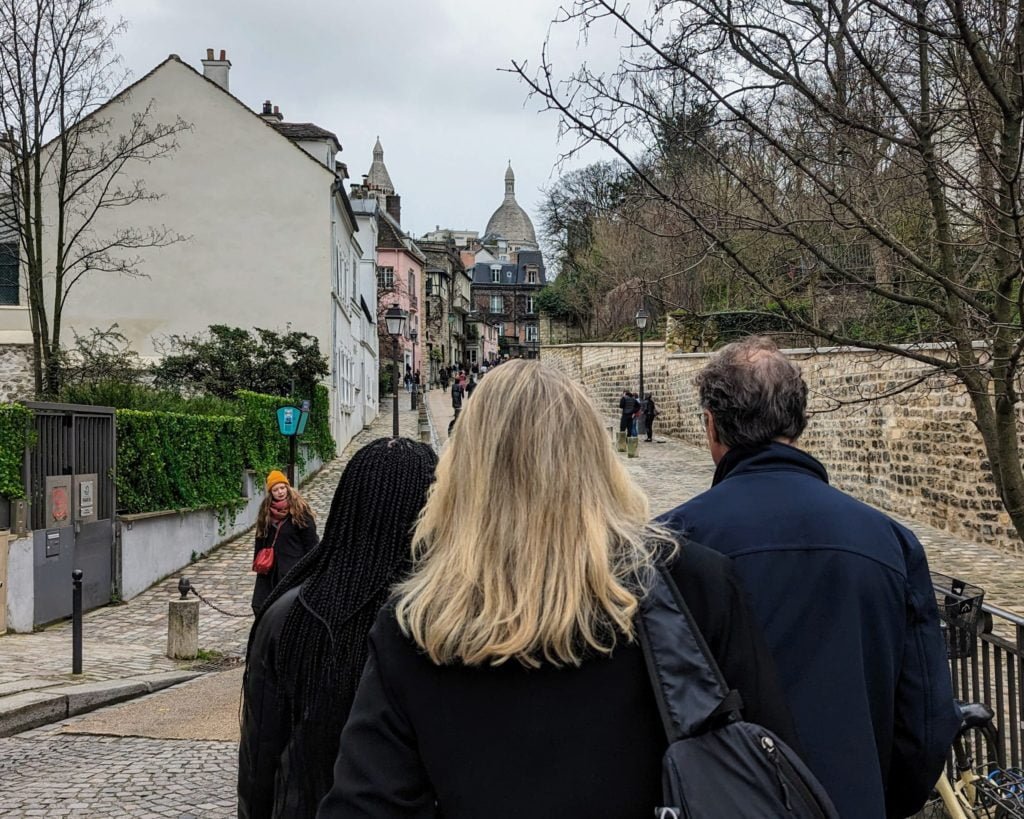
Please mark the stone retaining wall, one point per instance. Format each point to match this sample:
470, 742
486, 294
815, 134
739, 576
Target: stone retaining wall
17, 383
916, 453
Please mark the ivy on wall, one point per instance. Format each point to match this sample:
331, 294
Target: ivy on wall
16, 433
169, 460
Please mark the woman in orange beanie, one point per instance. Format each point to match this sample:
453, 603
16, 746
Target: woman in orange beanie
284, 525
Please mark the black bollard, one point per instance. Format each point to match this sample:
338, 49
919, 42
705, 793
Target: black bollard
184, 587
76, 621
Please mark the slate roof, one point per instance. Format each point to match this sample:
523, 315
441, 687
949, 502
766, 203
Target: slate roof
305, 130
482, 271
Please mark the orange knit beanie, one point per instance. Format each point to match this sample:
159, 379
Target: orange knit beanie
276, 477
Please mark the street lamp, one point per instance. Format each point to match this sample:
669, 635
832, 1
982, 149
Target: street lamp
415, 379
394, 318
641, 325
451, 326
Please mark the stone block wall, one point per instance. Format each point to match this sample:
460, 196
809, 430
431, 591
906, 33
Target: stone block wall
16, 379
916, 453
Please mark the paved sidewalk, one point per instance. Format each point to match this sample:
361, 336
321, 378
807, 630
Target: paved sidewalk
671, 472
130, 639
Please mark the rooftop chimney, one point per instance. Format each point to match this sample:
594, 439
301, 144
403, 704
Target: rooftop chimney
271, 113
217, 70
393, 205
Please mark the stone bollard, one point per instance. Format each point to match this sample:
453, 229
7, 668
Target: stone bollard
632, 444
183, 626
620, 438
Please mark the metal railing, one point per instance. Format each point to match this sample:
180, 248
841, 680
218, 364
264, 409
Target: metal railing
993, 673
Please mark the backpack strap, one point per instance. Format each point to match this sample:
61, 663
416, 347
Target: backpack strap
688, 684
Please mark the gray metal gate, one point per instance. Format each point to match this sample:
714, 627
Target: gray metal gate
70, 473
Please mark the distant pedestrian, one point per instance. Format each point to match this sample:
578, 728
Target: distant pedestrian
842, 591
408, 378
458, 393
650, 413
470, 385
444, 376
284, 524
505, 679
628, 407
308, 646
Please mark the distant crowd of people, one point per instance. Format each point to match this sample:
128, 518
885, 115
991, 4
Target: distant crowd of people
465, 639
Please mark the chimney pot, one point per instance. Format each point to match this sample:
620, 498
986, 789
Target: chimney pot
223, 54
215, 70
209, 53
266, 108
277, 110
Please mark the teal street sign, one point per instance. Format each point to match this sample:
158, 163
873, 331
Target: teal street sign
288, 420
291, 421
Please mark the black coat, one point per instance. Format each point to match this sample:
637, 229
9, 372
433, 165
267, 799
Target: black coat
427, 741
265, 750
292, 543
845, 599
457, 393
628, 405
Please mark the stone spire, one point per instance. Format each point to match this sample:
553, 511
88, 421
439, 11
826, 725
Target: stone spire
378, 179
510, 221
510, 182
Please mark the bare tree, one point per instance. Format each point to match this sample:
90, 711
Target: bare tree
875, 146
68, 163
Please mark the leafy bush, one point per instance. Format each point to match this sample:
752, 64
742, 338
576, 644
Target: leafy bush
121, 395
100, 356
265, 448
16, 433
228, 359
176, 461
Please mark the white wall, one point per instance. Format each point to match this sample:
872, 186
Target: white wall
21, 599
255, 209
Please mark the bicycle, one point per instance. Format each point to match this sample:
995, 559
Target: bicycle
976, 783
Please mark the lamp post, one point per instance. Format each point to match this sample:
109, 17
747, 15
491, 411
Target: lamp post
641, 325
451, 326
413, 336
394, 317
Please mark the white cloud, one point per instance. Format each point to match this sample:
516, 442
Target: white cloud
421, 74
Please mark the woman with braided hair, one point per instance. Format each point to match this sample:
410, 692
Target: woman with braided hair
308, 645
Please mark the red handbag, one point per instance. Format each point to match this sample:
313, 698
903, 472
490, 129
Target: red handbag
263, 563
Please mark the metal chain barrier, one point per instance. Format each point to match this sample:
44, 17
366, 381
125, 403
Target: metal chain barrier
185, 588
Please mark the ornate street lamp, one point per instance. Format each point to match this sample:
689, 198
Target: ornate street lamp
641, 324
413, 336
394, 318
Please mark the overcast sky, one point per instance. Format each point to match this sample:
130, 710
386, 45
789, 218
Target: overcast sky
421, 74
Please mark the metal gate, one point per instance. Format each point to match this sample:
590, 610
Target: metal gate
70, 472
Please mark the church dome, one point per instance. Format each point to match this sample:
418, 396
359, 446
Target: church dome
510, 221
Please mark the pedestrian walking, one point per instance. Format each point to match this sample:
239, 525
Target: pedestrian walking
408, 378
308, 646
470, 385
458, 393
505, 678
628, 407
650, 413
285, 526
444, 376
842, 591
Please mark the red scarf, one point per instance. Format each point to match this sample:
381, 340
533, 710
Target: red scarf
278, 510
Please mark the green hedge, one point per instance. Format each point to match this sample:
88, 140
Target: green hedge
16, 433
175, 461
265, 448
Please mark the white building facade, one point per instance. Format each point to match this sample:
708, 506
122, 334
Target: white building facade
269, 238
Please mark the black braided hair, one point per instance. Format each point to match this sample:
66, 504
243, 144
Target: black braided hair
365, 549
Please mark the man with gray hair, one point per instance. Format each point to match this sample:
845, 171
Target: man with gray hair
842, 591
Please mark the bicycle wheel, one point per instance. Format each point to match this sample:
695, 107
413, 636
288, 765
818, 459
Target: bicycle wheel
1002, 793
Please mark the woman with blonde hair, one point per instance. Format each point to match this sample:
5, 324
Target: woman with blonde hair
505, 678
284, 525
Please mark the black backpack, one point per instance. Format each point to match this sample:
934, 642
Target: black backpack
717, 766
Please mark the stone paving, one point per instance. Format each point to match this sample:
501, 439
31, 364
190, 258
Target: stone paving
130, 639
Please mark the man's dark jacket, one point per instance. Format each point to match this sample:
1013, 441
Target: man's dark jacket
846, 603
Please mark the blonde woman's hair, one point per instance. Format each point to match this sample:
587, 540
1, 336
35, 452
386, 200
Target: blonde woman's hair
534, 543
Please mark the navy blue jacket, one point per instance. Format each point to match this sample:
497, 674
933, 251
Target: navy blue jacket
845, 600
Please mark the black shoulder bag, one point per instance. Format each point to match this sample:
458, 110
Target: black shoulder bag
717, 766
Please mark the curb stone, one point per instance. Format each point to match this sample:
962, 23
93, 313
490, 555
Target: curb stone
30, 709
